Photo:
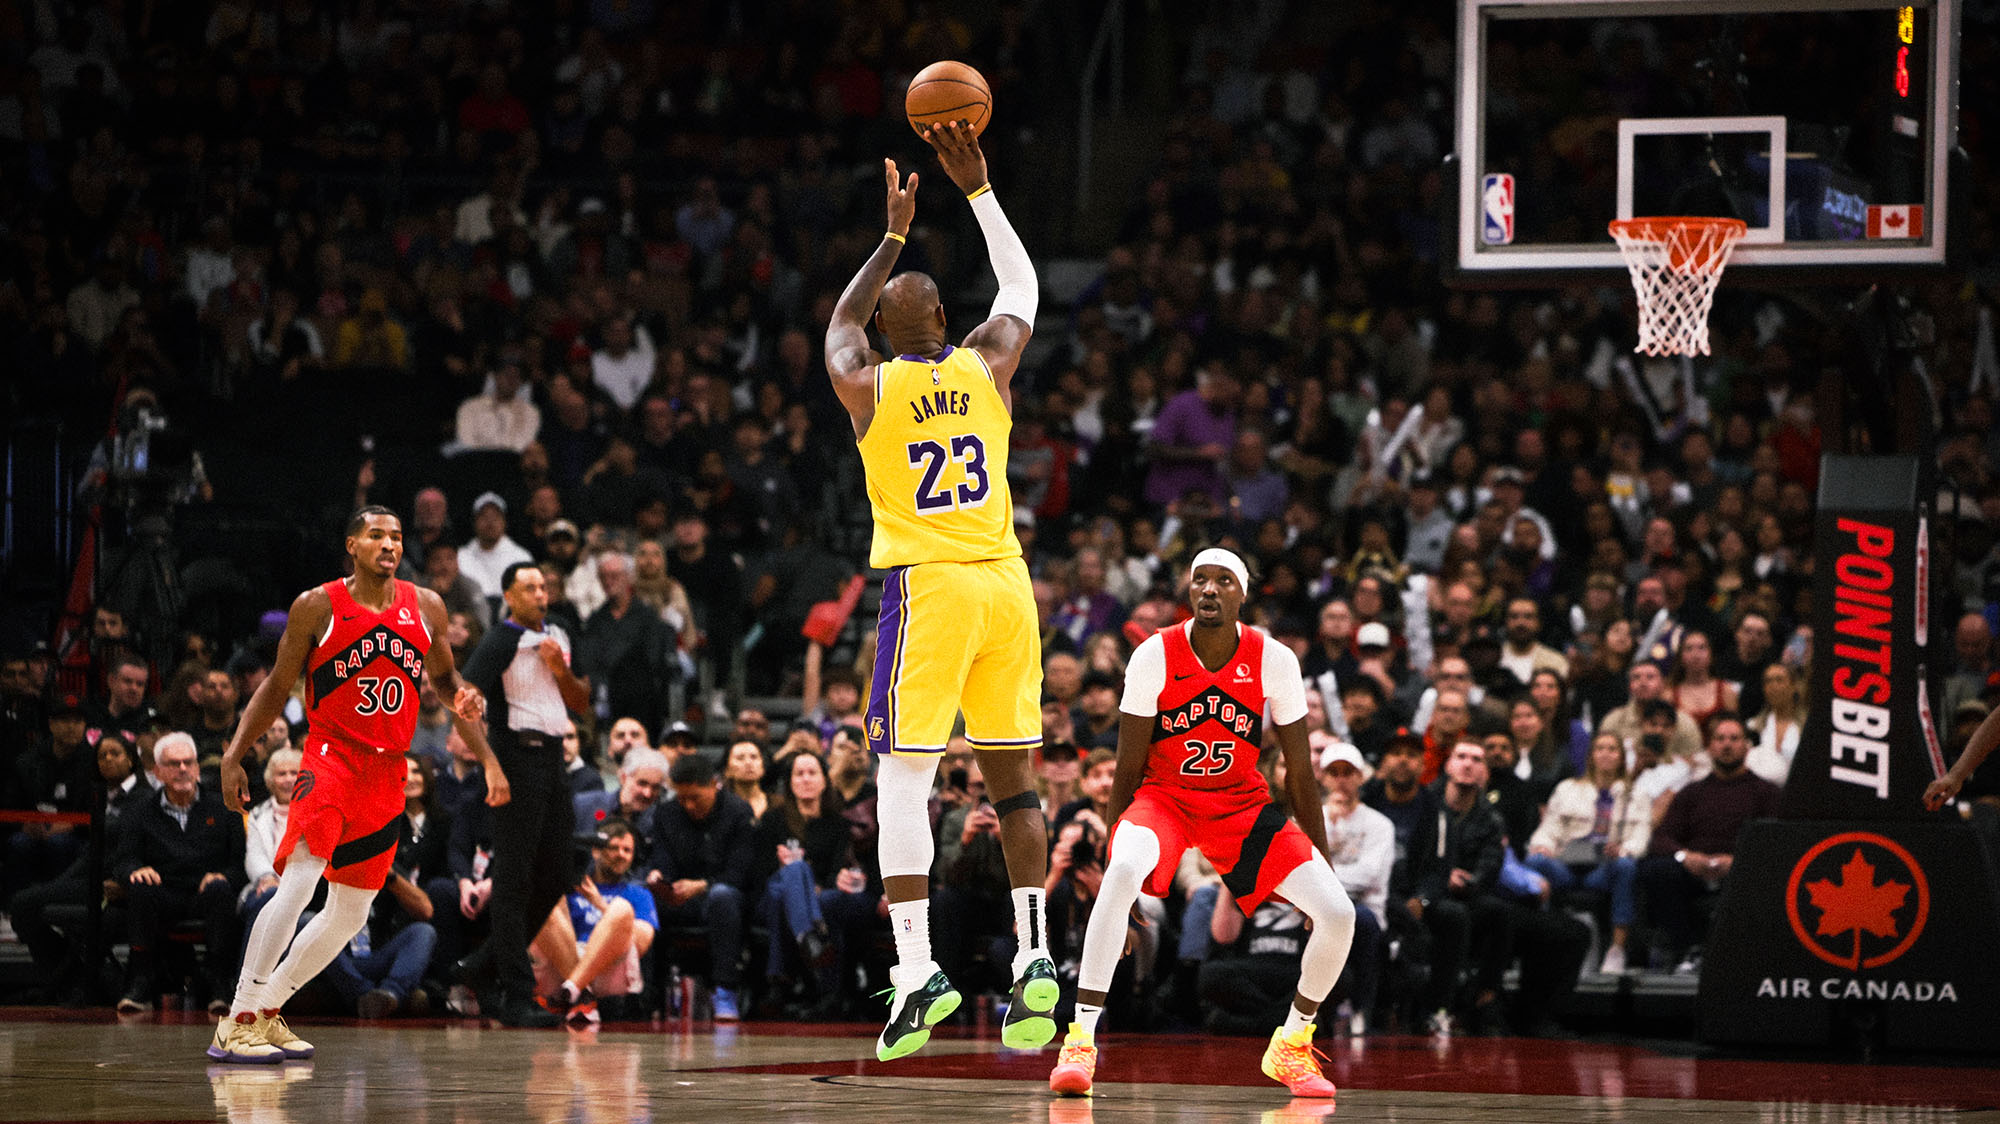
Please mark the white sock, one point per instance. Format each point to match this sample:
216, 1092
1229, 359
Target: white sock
1086, 1019
1031, 927
571, 991
1297, 1020
911, 922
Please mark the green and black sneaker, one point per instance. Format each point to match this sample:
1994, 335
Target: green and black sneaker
914, 1014
1030, 1022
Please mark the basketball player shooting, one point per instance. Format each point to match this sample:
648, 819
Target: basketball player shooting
1190, 731
958, 629
363, 641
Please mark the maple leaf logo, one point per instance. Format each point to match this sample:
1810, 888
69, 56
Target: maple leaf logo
1857, 903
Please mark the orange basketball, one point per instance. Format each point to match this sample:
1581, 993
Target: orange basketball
948, 91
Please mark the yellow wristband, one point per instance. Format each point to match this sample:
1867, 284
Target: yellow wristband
983, 189
899, 238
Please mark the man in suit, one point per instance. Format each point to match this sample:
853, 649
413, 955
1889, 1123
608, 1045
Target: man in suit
180, 856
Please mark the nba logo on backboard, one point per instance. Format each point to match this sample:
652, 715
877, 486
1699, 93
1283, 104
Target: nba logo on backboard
1496, 209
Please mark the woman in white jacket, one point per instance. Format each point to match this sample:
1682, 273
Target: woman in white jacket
1594, 829
1777, 729
264, 829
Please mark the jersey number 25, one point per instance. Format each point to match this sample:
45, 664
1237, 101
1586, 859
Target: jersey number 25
931, 457
1208, 758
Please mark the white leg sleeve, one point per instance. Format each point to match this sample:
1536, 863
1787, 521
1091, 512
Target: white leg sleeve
1133, 856
1316, 890
275, 925
903, 787
321, 940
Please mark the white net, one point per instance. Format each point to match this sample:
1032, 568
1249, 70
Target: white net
1675, 264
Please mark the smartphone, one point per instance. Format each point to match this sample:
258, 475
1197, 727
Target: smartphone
957, 778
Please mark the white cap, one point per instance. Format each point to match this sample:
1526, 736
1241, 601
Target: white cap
492, 498
1374, 634
1343, 751
1216, 556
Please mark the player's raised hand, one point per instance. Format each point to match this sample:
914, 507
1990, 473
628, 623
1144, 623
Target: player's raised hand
469, 703
958, 150
902, 198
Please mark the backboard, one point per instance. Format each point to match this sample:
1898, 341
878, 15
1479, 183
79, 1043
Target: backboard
1825, 125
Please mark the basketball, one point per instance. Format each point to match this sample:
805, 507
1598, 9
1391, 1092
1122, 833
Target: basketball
948, 91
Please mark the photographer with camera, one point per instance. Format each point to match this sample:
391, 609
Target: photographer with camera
588, 952
523, 667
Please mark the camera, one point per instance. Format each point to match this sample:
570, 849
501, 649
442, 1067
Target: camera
958, 779
583, 855
1083, 853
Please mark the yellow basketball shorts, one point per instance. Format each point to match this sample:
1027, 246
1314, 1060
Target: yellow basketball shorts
956, 636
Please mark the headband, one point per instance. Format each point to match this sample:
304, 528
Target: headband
1216, 556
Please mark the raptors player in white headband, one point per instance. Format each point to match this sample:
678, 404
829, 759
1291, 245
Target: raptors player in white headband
1190, 730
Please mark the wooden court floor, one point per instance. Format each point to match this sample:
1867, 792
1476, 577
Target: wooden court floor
59, 1065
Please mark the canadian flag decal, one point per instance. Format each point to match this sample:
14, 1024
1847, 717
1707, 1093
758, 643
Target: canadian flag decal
1902, 221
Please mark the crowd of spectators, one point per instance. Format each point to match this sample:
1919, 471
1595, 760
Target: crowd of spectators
551, 279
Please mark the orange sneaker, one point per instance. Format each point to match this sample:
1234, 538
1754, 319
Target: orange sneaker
1289, 1059
1076, 1065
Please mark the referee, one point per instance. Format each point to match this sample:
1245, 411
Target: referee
522, 666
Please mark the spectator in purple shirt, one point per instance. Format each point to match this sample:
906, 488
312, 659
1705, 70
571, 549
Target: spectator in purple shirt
1190, 438
1089, 609
1256, 491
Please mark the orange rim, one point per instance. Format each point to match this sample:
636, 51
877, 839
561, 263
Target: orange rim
1696, 233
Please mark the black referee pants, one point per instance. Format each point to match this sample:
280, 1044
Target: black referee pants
531, 856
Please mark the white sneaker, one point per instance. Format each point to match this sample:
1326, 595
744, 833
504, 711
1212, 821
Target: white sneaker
1614, 961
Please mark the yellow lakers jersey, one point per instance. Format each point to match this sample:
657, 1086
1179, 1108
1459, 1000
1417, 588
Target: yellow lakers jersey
936, 460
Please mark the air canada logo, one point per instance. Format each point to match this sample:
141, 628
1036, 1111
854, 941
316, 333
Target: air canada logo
302, 786
1858, 900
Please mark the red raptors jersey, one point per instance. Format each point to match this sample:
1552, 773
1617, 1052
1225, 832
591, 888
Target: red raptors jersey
362, 676
1210, 728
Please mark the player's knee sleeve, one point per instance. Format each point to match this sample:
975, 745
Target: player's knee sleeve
1136, 853
903, 788
348, 905
1316, 890
1134, 857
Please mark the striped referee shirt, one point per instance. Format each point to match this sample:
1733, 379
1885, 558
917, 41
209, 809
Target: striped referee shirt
521, 692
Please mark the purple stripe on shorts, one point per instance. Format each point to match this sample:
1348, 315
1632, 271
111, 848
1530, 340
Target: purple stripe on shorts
880, 724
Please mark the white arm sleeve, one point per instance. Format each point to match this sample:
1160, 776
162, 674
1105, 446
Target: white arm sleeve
1145, 677
1284, 688
1020, 292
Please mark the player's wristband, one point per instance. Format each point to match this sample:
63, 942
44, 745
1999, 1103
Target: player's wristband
983, 189
900, 240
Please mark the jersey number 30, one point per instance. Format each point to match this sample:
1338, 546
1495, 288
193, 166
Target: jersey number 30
383, 695
931, 457
1206, 759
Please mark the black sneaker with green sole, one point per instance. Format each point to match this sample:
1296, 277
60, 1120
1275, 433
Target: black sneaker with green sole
910, 1025
1030, 1022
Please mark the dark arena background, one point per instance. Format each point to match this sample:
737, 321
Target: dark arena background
1328, 284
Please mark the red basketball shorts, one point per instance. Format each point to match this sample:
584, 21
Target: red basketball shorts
347, 807
1253, 846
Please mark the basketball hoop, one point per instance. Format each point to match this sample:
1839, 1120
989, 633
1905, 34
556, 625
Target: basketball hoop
1675, 264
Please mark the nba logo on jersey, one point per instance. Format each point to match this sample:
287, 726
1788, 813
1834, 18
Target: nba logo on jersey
1496, 208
